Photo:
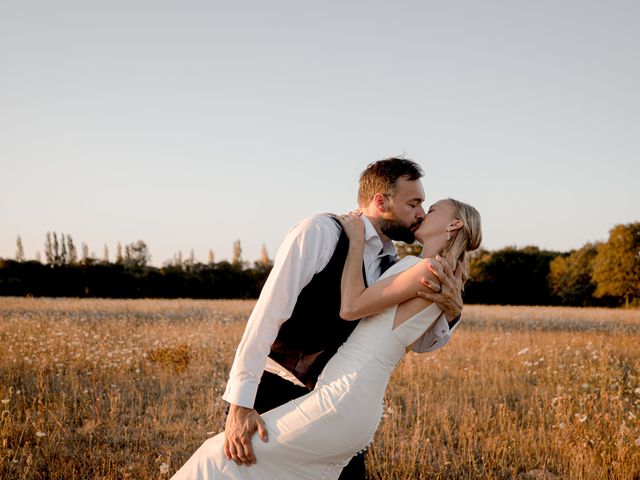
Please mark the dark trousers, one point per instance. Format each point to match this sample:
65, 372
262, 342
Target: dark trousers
274, 391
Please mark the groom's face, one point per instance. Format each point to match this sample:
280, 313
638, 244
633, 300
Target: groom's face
404, 212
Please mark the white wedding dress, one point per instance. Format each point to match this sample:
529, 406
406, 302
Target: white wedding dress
315, 436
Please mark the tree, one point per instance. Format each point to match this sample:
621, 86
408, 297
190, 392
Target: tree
570, 276
63, 250
516, 276
56, 250
72, 253
119, 259
236, 259
211, 257
264, 257
19, 250
105, 254
616, 268
177, 259
85, 253
137, 255
48, 249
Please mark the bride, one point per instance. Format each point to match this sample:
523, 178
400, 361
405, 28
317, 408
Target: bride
315, 436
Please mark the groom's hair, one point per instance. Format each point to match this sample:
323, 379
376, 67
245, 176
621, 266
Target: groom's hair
381, 176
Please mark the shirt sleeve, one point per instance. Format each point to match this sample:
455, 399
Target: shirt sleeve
437, 336
305, 250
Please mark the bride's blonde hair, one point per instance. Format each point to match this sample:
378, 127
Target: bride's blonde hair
465, 239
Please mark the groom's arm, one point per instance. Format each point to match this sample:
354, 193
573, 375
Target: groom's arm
437, 336
305, 250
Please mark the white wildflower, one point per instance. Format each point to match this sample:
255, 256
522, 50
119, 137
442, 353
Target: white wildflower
556, 400
523, 351
581, 418
585, 386
164, 468
637, 391
40, 434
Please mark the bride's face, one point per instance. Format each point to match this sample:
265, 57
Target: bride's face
434, 226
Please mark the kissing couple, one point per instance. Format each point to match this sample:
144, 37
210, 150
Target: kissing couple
336, 315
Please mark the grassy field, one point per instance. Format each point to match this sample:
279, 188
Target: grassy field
112, 389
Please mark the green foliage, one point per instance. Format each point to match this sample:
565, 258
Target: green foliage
136, 255
111, 280
405, 249
596, 274
616, 268
510, 276
19, 250
570, 276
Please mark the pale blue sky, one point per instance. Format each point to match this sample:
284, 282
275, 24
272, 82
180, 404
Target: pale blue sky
191, 124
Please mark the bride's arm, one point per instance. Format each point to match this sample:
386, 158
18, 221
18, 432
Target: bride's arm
358, 301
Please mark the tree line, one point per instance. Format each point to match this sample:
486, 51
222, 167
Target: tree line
597, 274
65, 273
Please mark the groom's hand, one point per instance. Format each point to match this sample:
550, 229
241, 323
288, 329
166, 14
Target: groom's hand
241, 424
448, 293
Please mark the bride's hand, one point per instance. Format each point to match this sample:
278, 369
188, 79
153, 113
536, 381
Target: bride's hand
353, 226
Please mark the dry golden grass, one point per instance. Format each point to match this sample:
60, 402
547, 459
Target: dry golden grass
114, 389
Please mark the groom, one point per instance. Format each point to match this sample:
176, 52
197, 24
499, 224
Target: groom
295, 327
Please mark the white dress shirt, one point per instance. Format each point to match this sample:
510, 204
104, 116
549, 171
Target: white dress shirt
305, 251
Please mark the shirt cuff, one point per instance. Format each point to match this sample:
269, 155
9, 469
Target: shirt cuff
436, 337
454, 322
242, 394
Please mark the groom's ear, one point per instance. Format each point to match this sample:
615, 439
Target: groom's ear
380, 202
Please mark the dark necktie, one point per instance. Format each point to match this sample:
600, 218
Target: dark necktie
386, 262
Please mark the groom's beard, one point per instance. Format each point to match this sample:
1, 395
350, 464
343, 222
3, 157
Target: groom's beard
395, 230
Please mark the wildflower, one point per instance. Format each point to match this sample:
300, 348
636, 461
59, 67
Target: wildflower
40, 434
164, 468
523, 351
5, 401
637, 391
581, 418
585, 386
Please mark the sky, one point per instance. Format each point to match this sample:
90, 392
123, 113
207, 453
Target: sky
190, 124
